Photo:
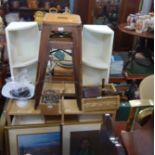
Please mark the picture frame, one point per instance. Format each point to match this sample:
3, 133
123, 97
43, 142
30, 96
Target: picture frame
76, 134
35, 140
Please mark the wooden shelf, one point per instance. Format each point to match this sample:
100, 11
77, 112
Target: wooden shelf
27, 13
28, 110
28, 9
68, 108
123, 78
115, 79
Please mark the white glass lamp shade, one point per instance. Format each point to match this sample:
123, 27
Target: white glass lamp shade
97, 43
23, 41
20, 91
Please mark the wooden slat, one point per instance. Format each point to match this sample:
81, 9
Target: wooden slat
65, 43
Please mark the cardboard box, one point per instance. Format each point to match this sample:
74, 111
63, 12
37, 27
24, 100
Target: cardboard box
117, 64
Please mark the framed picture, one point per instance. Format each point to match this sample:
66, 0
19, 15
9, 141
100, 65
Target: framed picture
35, 140
76, 137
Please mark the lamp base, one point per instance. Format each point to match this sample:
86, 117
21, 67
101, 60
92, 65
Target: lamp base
21, 103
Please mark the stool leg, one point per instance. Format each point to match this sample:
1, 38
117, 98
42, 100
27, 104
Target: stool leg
42, 63
77, 63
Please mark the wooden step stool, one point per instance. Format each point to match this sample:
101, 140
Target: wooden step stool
57, 23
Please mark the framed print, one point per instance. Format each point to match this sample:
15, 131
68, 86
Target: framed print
79, 136
35, 140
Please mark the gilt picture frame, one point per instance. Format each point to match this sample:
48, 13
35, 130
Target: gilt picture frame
35, 140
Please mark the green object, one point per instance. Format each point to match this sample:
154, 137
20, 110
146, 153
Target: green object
136, 69
59, 55
123, 112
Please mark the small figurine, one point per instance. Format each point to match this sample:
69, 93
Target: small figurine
15, 4
59, 8
47, 5
67, 10
38, 16
32, 4
1, 24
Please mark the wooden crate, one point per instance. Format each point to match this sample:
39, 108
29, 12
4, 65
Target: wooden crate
101, 103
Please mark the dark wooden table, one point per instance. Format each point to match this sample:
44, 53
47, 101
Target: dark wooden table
147, 35
132, 53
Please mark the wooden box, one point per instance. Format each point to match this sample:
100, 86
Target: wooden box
101, 103
52, 108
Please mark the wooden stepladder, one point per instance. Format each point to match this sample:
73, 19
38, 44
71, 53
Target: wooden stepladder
60, 23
